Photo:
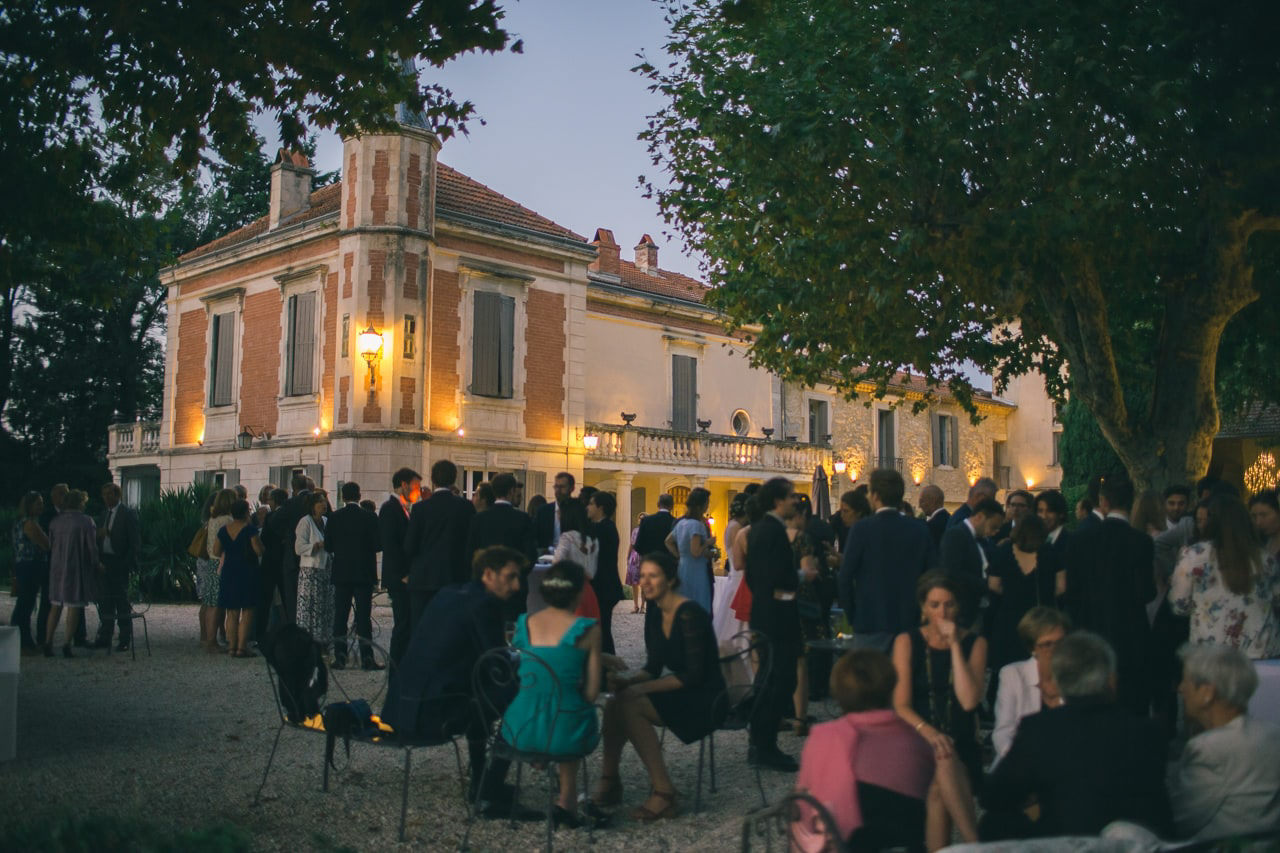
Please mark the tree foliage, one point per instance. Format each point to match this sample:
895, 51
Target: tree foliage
1028, 186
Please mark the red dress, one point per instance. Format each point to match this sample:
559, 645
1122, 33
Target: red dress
588, 604
741, 604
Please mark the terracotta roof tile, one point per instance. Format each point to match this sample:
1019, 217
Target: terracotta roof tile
1259, 420
454, 192
672, 285
323, 201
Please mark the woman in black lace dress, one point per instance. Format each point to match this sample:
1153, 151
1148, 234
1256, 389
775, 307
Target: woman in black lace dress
680, 641
941, 668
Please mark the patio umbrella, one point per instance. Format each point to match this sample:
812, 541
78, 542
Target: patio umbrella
820, 494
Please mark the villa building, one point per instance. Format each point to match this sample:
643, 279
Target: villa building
409, 314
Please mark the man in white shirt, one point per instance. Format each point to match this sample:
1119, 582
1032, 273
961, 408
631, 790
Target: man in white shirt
963, 555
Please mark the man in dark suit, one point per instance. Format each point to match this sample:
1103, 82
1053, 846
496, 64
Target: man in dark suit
119, 542
504, 524
884, 557
287, 530
393, 523
1110, 580
430, 691
935, 514
963, 555
547, 524
351, 536
436, 539
607, 584
654, 529
1087, 762
773, 579
983, 489
271, 565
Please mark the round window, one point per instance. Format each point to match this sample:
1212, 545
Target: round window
741, 422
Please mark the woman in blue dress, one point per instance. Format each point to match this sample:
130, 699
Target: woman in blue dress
239, 546
691, 541
557, 715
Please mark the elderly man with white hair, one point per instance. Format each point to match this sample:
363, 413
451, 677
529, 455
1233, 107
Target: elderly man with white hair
1228, 779
1086, 763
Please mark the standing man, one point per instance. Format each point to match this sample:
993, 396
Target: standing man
436, 539
1177, 500
607, 585
119, 541
291, 513
271, 574
884, 557
773, 580
547, 524
935, 514
654, 529
351, 536
504, 524
1109, 584
393, 524
963, 555
983, 489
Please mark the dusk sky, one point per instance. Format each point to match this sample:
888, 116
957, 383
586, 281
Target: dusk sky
562, 118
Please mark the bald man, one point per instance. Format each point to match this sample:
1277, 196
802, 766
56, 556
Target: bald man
935, 514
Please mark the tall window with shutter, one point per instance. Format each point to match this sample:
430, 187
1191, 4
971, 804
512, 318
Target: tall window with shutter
300, 370
818, 422
492, 344
223, 361
946, 442
684, 393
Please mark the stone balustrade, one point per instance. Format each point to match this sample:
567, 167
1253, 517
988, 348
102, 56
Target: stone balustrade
681, 450
134, 438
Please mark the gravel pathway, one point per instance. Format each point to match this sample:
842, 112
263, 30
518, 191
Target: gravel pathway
181, 738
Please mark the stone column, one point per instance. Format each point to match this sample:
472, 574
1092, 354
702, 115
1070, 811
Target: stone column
622, 518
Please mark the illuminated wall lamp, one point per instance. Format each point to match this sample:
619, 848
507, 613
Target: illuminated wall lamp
370, 344
839, 466
591, 441
1030, 483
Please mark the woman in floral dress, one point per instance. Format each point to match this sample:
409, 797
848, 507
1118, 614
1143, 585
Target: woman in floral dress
1228, 585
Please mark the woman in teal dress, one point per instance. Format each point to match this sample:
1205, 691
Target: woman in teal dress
557, 716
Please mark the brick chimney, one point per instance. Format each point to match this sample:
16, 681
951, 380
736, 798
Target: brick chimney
291, 176
647, 255
607, 253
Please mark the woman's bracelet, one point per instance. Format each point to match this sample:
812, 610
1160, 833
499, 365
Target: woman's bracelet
920, 725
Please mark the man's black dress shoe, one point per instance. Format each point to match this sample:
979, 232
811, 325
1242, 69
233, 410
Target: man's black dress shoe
508, 811
122, 646
765, 758
338, 663
96, 644
373, 666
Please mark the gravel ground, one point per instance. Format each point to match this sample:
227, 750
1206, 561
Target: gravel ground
182, 737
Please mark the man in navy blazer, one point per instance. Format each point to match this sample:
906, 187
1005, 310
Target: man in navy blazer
935, 514
885, 555
547, 524
393, 523
351, 535
436, 539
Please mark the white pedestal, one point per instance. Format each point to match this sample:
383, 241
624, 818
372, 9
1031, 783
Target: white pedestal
10, 656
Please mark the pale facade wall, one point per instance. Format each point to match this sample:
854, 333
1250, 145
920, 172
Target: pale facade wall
628, 369
1031, 431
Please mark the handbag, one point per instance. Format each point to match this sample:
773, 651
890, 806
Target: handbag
199, 546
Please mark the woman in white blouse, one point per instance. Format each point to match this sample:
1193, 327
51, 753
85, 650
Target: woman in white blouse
1027, 686
315, 586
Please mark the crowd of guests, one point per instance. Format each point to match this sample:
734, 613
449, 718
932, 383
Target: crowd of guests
1083, 648
67, 560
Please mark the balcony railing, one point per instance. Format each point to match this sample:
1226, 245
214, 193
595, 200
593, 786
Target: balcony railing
134, 438
704, 450
890, 462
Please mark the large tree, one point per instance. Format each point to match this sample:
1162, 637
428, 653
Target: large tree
1029, 185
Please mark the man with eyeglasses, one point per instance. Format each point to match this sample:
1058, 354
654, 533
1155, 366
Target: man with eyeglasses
1017, 506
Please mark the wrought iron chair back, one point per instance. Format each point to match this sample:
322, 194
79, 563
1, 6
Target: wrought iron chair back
799, 823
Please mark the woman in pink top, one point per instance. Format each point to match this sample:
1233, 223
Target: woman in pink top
870, 770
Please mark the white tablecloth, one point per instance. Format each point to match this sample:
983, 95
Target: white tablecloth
1265, 704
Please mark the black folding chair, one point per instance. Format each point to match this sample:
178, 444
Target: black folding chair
450, 715
798, 822
498, 676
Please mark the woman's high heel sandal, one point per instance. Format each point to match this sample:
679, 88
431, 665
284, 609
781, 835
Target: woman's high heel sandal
668, 811
609, 792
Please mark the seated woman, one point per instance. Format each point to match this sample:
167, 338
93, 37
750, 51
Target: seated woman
557, 716
868, 768
1028, 685
682, 643
1228, 779
941, 669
